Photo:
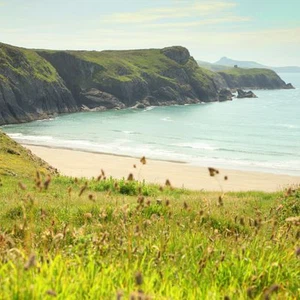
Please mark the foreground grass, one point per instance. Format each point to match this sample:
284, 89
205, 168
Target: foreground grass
102, 239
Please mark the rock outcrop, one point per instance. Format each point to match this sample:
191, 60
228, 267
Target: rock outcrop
245, 94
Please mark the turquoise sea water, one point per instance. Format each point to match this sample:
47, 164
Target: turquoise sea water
260, 134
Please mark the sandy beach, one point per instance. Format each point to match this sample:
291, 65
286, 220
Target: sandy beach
85, 164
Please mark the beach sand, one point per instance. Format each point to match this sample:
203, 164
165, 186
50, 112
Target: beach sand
85, 164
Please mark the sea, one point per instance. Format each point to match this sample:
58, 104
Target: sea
258, 134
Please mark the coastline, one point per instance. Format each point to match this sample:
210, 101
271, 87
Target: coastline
89, 164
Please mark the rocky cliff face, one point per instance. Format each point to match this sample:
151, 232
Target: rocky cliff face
30, 88
39, 84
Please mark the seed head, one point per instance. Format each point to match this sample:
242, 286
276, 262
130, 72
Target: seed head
143, 160
83, 188
167, 183
297, 252
47, 182
213, 171
130, 177
138, 278
22, 186
51, 293
30, 262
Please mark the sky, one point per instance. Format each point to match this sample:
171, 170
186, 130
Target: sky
265, 31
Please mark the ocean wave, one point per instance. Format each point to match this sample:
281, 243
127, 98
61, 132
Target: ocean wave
291, 167
126, 131
260, 152
149, 108
156, 151
290, 126
200, 146
21, 137
43, 120
167, 119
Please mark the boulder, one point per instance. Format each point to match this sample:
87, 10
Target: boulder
177, 53
289, 86
244, 94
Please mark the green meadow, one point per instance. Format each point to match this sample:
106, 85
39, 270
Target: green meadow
73, 238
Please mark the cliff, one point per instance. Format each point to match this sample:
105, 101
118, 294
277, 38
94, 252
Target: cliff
117, 79
252, 79
30, 87
36, 84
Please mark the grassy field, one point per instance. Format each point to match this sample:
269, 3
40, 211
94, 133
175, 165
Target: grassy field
105, 239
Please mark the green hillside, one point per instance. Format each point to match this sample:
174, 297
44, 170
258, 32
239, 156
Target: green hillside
18, 162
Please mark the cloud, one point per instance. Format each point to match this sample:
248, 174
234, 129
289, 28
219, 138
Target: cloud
172, 25
180, 10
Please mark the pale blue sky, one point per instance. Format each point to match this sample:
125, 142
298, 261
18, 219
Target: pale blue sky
267, 31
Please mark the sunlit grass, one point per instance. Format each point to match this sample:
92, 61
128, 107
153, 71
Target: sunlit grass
54, 242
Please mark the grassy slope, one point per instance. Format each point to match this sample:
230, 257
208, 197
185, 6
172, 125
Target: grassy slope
17, 161
132, 62
26, 63
186, 244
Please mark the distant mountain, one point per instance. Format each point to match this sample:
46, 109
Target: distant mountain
225, 61
212, 67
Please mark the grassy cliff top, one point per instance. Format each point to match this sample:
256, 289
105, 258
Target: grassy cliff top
250, 72
26, 62
125, 65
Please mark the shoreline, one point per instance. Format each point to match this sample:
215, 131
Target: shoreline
99, 152
78, 163
223, 167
